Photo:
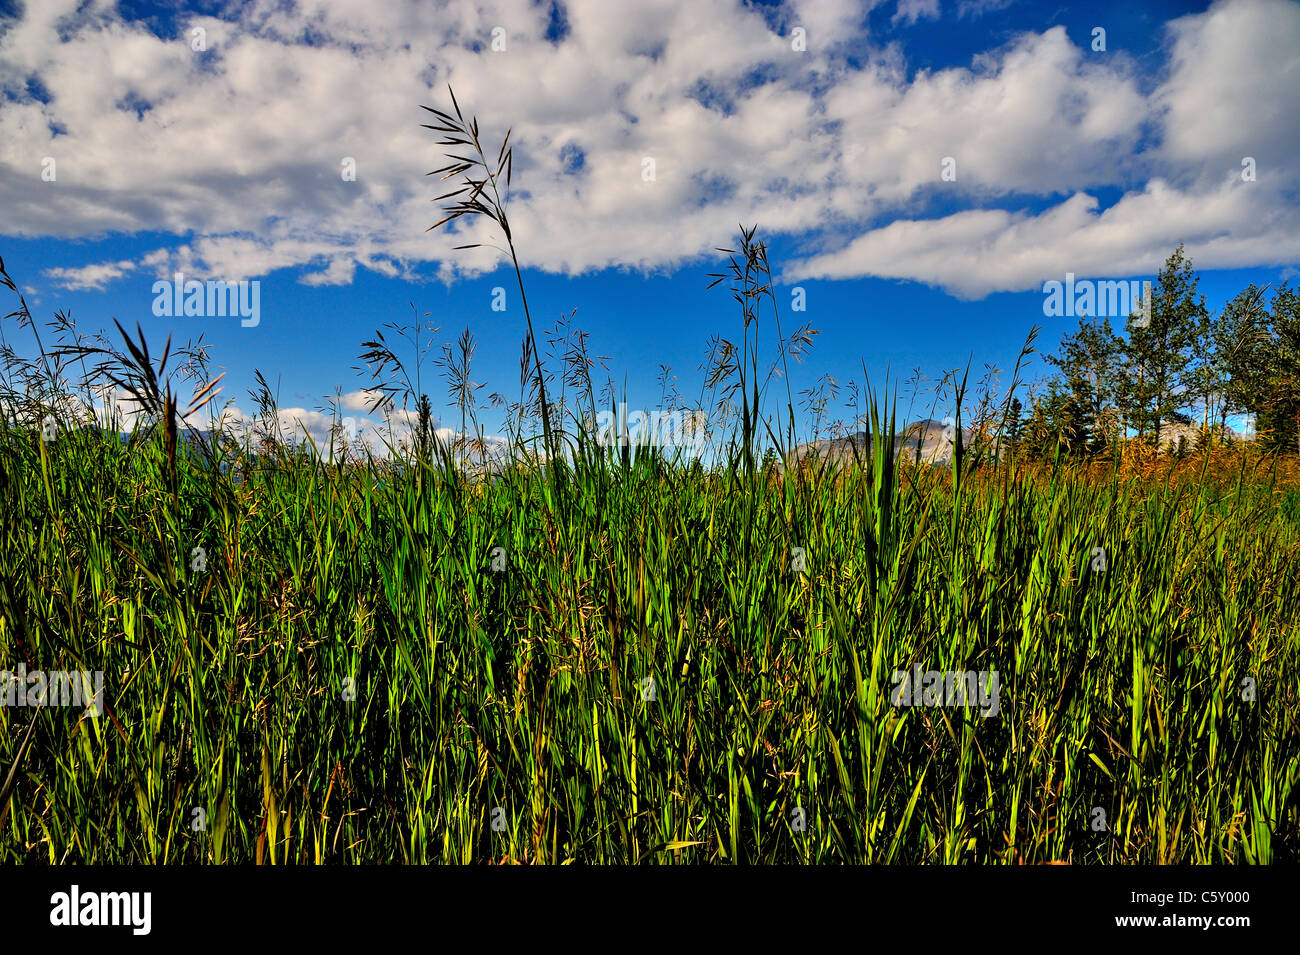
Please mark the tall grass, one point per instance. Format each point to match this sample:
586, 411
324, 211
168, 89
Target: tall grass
523, 688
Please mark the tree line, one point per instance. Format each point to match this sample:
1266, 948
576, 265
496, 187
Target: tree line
1184, 366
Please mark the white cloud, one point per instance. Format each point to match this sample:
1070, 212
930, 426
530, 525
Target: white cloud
356, 433
974, 253
339, 272
94, 276
977, 8
1233, 87
239, 149
909, 11
360, 400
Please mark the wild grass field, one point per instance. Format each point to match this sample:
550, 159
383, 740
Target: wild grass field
628, 657
358, 675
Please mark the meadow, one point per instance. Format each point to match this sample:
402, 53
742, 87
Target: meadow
647, 669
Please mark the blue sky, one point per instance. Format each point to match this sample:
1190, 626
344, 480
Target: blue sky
225, 163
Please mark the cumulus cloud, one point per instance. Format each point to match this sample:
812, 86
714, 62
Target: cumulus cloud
293, 139
361, 400
977, 8
356, 434
94, 276
909, 11
1232, 89
1232, 72
977, 252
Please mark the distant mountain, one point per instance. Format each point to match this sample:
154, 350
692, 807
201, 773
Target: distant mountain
1173, 432
931, 440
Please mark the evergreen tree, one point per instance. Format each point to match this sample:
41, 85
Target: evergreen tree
1088, 365
1155, 382
1279, 404
1058, 422
1205, 377
1243, 347
1037, 437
